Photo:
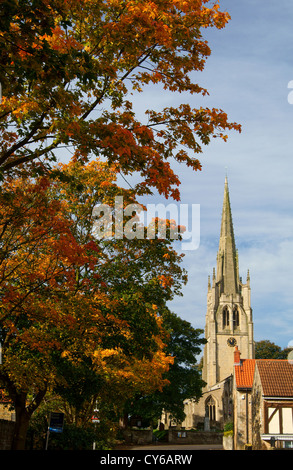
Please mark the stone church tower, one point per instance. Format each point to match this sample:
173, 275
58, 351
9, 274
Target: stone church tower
228, 324
229, 314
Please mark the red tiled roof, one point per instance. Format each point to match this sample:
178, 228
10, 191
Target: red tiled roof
244, 373
276, 377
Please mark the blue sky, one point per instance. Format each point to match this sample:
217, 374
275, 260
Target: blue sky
247, 76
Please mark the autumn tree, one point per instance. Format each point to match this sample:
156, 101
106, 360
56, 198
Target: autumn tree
137, 276
39, 255
75, 306
69, 70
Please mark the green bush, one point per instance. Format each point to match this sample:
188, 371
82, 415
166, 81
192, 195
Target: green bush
160, 435
72, 438
228, 428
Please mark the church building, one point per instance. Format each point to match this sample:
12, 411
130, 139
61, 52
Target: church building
228, 324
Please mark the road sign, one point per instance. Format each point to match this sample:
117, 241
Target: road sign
56, 422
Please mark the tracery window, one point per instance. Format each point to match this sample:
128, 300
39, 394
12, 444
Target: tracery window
225, 317
211, 408
235, 317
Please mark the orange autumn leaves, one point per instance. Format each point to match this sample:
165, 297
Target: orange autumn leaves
71, 72
59, 294
74, 66
127, 375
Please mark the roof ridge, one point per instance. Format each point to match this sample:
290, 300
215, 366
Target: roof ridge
273, 359
262, 359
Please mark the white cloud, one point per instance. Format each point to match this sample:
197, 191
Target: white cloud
247, 76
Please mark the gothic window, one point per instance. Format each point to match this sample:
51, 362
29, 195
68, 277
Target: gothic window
225, 317
235, 318
211, 409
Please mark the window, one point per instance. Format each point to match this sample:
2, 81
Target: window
288, 444
235, 318
225, 317
211, 409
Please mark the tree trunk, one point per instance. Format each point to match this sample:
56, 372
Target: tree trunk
21, 424
23, 411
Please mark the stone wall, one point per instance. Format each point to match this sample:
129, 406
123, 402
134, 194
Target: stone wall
228, 442
194, 437
138, 436
7, 412
6, 434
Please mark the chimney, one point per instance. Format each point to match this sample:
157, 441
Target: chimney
236, 356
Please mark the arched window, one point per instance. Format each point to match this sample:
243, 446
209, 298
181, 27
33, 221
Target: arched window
225, 317
211, 408
235, 317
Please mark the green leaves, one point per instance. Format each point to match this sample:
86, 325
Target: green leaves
183, 342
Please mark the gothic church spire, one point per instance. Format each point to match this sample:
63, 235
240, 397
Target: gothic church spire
227, 259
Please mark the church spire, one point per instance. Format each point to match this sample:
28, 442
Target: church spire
227, 262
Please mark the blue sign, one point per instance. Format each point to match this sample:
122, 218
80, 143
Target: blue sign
56, 422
